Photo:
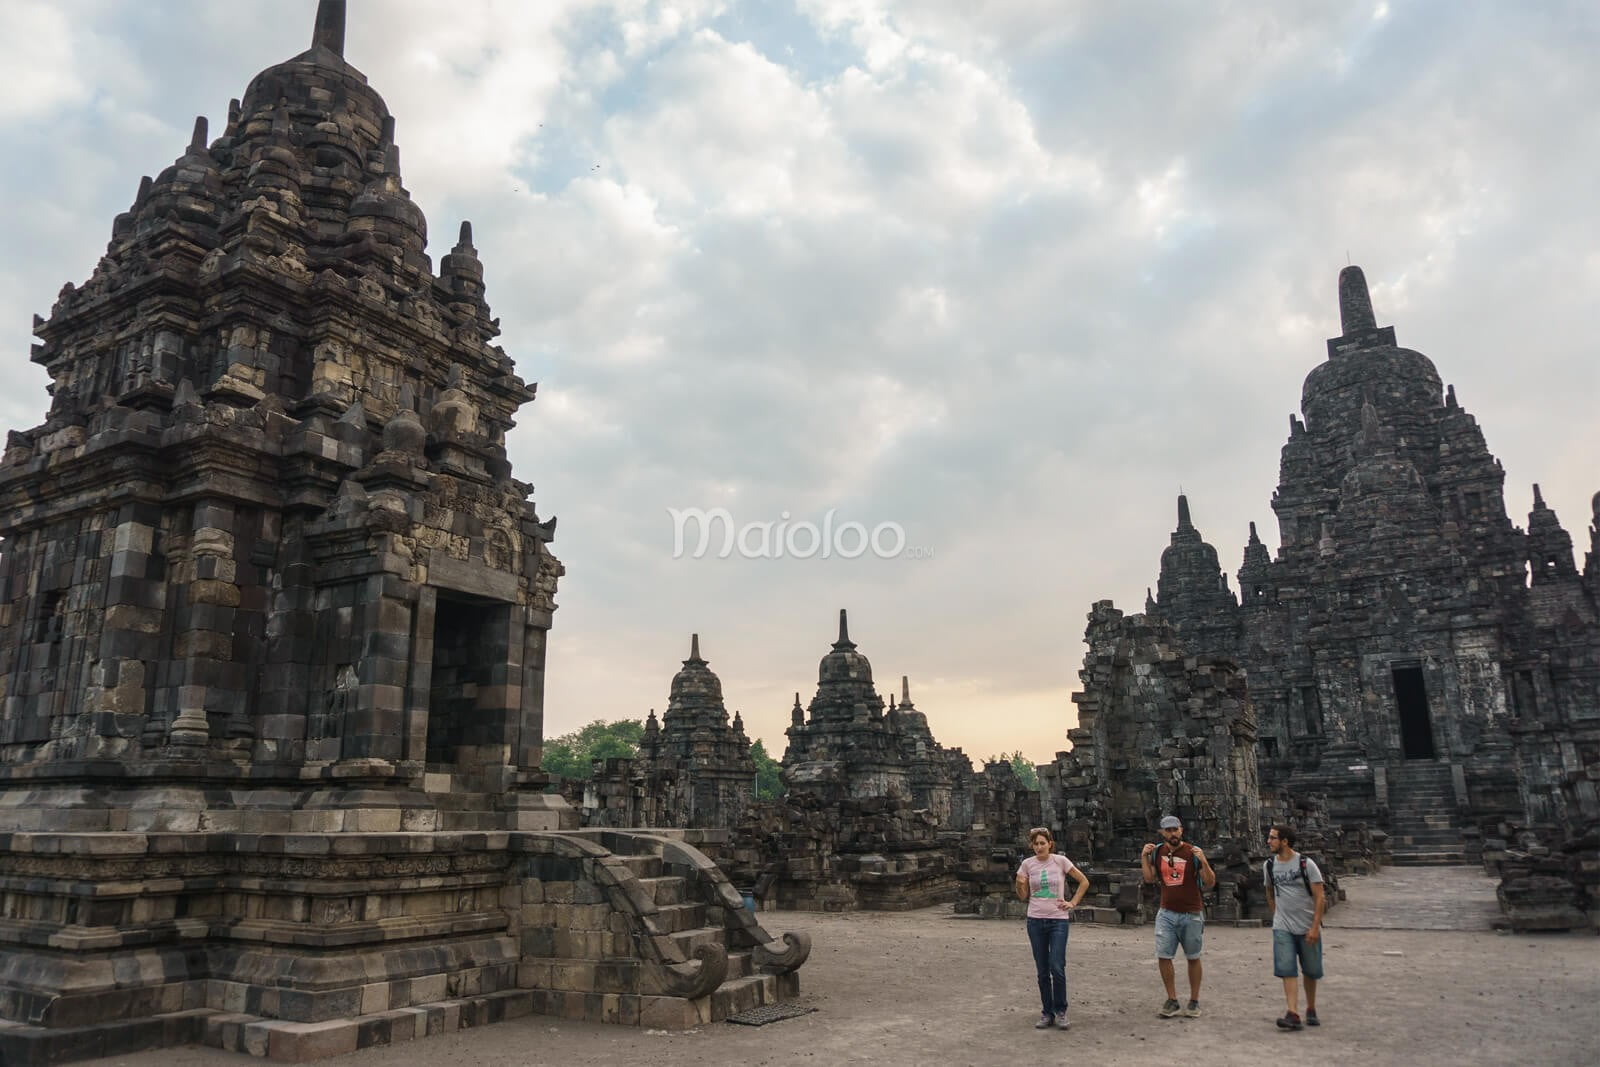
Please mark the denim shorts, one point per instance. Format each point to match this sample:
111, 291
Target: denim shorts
1179, 927
1289, 948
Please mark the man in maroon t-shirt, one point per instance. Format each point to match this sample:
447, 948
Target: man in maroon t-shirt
1180, 869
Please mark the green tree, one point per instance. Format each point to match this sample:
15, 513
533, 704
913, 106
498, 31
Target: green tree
1027, 777
768, 784
569, 754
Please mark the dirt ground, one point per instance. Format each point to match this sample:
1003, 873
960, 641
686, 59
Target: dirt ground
927, 987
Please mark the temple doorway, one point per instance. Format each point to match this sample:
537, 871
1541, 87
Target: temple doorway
466, 659
1416, 725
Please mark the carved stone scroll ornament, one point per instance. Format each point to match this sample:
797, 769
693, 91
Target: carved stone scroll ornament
770, 957
698, 977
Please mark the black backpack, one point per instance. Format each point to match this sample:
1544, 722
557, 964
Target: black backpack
1266, 873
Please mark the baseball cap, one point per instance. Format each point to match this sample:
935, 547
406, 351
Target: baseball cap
1170, 822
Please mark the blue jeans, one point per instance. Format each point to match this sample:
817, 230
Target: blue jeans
1179, 927
1289, 949
1049, 940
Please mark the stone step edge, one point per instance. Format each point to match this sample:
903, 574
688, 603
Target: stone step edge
293, 1042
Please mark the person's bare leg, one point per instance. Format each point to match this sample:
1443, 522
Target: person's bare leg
1194, 979
1311, 994
1169, 977
1291, 993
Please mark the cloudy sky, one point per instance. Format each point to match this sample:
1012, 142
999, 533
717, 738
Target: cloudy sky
1005, 273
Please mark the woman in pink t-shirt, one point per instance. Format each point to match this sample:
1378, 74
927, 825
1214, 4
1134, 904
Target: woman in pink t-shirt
1042, 882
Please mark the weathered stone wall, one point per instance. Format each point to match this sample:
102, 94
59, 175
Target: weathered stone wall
1158, 733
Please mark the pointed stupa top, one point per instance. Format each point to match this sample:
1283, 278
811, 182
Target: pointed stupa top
1254, 537
1355, 302
694, 651
1538, 497
328, 31
1184, 522
905, 689
844, 641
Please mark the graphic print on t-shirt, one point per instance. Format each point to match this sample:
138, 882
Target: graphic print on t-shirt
1044, 884
1172, 868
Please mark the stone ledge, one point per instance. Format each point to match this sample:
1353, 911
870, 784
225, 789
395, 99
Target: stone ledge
22, 1045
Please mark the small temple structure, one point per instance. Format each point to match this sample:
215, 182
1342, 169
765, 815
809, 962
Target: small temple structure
693, 770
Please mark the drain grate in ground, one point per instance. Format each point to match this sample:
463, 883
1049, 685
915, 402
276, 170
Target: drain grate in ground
770, 1013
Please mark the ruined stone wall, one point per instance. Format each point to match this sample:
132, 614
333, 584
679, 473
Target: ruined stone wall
1162, 733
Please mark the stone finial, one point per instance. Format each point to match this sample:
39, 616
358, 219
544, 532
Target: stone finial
1450, 397
145, 184
844, 633
1254, 538
328, 32
1538, 497
797, 714
233, 113
905, 689
1149, 602
1355, 303
694, 650
464, 242
1184, 522
197, 139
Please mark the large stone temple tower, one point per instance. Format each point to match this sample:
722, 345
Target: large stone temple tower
267, 540
1411, 653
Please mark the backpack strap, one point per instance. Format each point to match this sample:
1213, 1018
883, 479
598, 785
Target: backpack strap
1304, 877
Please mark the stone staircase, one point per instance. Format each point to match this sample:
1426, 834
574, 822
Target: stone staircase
693, 927
703, 956
1424, 827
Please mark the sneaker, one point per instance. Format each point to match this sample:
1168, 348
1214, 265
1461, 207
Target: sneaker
1046, 1021
1062, 1024
1311, 1017
1290, 1021
1169, 1009
1192, 1011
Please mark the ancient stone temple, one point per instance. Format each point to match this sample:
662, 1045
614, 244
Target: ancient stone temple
267, 540
847, 732
1401, 659
867, 794
273, 622
693, 770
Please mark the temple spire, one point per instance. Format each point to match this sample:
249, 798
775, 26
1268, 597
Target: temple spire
329, 29
1355, 303
694, 650
844, 632
197, 139
905, 689
1538, 497
1183, 513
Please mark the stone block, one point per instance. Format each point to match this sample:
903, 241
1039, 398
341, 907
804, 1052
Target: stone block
301, 1042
